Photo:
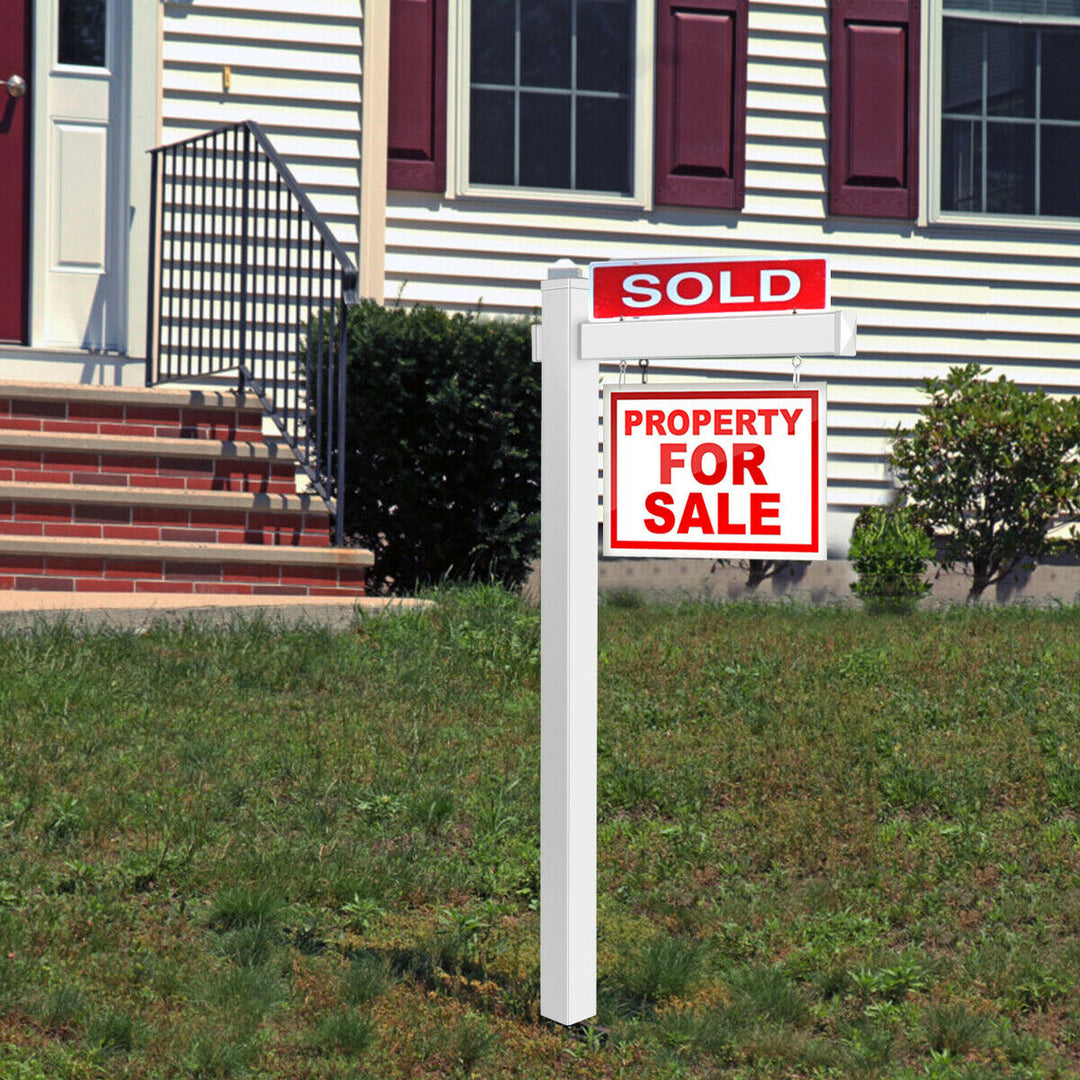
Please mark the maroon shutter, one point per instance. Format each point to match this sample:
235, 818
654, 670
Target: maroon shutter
701, 102
874, 110
416, 156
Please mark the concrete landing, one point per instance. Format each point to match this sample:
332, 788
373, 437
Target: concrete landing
24, 610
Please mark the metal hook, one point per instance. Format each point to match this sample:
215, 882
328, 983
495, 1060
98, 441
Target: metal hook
644, 365
796, 363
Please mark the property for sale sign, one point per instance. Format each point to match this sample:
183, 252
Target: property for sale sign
624, 290
732, 473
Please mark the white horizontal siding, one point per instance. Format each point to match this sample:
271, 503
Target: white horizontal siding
926, 298
294, 69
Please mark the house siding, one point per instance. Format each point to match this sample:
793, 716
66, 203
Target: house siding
295, 70
926, 296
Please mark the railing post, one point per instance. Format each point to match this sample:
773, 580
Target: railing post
244, 205
153, 283
339, 482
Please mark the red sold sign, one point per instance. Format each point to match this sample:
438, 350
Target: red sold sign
710, 287
734, 473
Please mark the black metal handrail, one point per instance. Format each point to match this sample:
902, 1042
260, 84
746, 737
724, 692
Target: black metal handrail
245, 275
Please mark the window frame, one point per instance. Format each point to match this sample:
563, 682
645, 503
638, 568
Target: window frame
934, 157
458, 80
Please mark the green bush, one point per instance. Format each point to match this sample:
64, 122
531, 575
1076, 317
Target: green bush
889, 551
443, 433
991, 469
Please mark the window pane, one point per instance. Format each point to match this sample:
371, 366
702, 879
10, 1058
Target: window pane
962, 84
603, 141
1059, 176
493, 41
961, 165
545, 140
1061, 74
1010, 170
545, 43
1010, 71
491, 137
82, 33
604, 37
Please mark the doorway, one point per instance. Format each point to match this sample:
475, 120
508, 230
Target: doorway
80, 171
15, 127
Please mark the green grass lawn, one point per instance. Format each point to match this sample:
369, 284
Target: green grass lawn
831, 845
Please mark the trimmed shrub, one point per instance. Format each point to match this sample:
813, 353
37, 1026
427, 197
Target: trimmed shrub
990, 469
443, 433
889, 551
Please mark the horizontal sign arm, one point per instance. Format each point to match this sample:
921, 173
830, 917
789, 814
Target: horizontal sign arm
826, 333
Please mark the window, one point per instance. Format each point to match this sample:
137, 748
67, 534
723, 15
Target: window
624, 101
1010, 107
82, 33
550, 94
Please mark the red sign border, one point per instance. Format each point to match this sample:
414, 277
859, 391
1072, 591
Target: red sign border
615, 547
644, 264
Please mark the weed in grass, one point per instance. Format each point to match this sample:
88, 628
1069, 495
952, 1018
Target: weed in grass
910, 786
250, 946
64, 819
18, 1064
362, 912
65, 1006
463, 942
473, 1040
365, 979
622, 599
241, 907
344, 1031
955, 1029
867, 1046
762, 993
907, 974
248, 992
112, 1031
770, 1044
218, 1055
1019, 1048
14, 814
698, 1032
431, 810
663, 968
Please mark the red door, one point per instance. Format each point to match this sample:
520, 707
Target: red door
14, 167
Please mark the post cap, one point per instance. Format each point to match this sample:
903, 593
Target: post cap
564, 268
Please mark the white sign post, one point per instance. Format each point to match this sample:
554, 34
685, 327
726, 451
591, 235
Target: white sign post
568, 656
570, 347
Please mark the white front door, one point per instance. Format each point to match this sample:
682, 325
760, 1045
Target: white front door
81, 174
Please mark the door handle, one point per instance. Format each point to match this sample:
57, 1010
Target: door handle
16, 86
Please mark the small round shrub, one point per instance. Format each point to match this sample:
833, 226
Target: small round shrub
993, 471
889, 551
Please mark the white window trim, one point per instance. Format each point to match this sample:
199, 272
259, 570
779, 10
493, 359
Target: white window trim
457, 122
932, 87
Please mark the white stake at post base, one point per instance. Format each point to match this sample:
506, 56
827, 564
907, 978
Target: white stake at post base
570, 348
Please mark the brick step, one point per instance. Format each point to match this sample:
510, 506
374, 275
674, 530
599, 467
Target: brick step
186, 464
72, 565
132, 411
110, 512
